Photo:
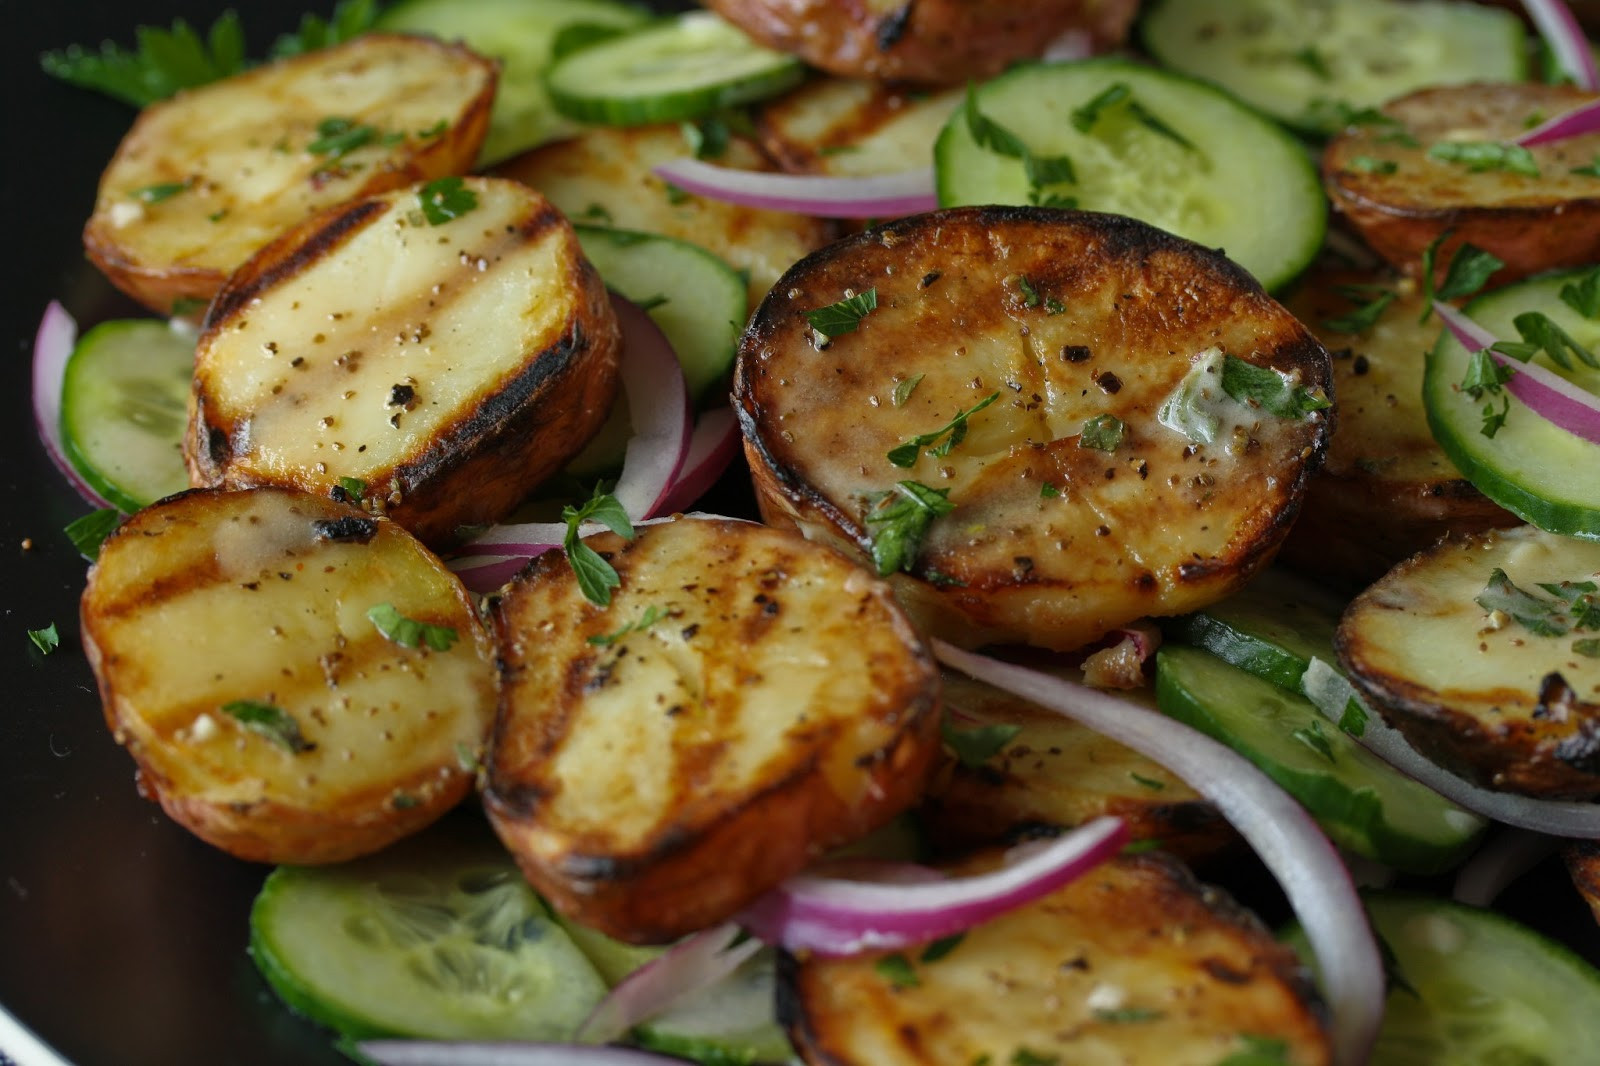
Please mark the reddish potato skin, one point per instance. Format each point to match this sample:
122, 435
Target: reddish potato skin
931, 42
1531, 224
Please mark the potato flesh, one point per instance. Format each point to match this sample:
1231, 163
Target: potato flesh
1133, 963
211, 598
242, 146
603, 176
1466, 684
852, 128
1160, 525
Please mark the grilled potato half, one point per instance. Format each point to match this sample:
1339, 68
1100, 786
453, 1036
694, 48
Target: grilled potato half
1133, 963
1055, 772
939, 42
747, 701
269, 714
445, 344
603, 177
1485, 652
847, 127
1437, 163
1387, 489
1062, 379
206, 178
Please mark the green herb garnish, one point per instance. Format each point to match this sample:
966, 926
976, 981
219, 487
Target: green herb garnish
445, 199
842, 316
976, 746
897, 970
1575, 606
1479, 156
408, 632
596, 578
1583, 296
1103, 433
1127, 1015
1313, 60
270, 721
1314, 738
953, 432
1258, 1051
707, 138
898, 520
1263, 387
938, 949
904, 388
90, 531
1366, 164
1539, 332
46, 640
1040, 170
1119, 94
154, 194
651, 616
1148, 782
1366, 313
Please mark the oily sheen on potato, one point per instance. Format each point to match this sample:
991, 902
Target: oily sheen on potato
268, 713
1435, 163
746, 701
206, 178
445, 346
1032, 421
1134, 963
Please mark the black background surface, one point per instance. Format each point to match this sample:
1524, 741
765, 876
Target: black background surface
122, 938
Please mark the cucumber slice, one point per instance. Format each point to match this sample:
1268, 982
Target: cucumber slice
732, 1023
677, 68
1362, 803
1537, 471
123, 409
1488, 992
1307, 61
1174, 152
438, 938
1272, 628
520, 35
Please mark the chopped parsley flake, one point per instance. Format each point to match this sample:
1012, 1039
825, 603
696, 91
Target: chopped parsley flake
976, 746
1103, 433
46, 640
938, 949
1366, 164
1574, 606
1041, 171
596, 577
1314, 738
898, 520
154, 194
272, 722
1479, 156
1540, 333
1583, 296
651, 616
408, 632
1148, 782
1120, 95
1366, 313
1260, 386
445, 199
1127, 1015
904, 388
953, 432
90, 531
841, 317
897, 970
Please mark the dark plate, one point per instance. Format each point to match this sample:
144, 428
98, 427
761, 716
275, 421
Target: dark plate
122, 938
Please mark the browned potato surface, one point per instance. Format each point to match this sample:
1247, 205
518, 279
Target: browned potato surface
940, 42
449, 366
1134, 963
206, 178
849, 127
1384, 178
603, 177
1056, 772
1053, 319
1505, 701
1583, 863
212, 610
1387, 489
747, 701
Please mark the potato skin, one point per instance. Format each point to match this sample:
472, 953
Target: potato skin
546, 363
209, 597
1531, 223
654, 783
936, 42
1137, 933
151, 250
1158, 526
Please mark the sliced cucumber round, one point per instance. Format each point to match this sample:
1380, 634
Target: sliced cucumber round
1536, 470
1110, 135
1311, 63
520, 35
1361, 802
1474, 988
123, 409
677, 68
1271, 628
732, 1023
438, 938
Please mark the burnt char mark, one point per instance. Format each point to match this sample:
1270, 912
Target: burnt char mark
293, 252
892, 27
348, 530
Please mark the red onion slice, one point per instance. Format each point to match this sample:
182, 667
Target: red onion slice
1574, 123
879, 196
485, 573
834, 916
1546, 393
712, 447
52, 347
692, 964
467, 1053
1566, 39
1282, 833
658, 407
1329, 692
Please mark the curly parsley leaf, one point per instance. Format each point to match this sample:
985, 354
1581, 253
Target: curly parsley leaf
953, 432
596, 577
446, 199
1469, 268
842, 316
898, 520
350, 19
272, 722
162, 62
408, 632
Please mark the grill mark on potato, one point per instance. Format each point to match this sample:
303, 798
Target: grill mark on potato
335, 229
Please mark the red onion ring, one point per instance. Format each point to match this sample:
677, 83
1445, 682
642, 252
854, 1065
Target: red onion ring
1574, 123
485, 573
712, 447
833, 916
468, 1053
693, 963
1329, 692
1567, 41
52, 347
658, 408
879, 196
1546, 393
1282, 833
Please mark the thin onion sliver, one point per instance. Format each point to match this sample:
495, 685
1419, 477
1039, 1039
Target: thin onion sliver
909, 192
